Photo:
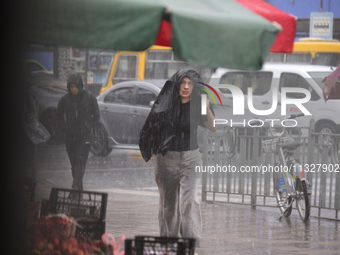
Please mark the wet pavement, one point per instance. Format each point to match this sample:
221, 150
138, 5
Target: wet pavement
227, 228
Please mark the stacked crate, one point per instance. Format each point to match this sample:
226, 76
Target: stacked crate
87, 207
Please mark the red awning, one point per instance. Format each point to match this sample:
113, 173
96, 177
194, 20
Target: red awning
285, 39
164, 34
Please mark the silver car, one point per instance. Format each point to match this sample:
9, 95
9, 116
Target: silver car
123, 111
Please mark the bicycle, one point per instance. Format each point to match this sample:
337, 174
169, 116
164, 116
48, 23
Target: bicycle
290, 183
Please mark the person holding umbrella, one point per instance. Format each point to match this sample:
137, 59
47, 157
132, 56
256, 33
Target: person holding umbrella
170, 132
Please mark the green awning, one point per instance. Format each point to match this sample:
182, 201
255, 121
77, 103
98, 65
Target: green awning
218, 33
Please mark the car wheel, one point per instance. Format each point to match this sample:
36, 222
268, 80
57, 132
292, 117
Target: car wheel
99, 146
325, 140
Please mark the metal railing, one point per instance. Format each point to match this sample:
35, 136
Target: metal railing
243, 174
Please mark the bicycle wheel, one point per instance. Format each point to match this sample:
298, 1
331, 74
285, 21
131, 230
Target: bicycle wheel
302, 200
284, 204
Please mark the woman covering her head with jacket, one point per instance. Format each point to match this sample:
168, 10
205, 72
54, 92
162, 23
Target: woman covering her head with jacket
170, 133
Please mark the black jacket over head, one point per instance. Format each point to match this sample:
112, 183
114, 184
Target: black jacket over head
77, 114
158, 129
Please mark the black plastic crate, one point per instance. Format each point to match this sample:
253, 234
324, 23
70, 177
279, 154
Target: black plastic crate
88, 208
90, 228
151, 245
84, 204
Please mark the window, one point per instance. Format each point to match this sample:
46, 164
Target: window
319, 76
299, 58
159, 55
144, 97
275, 58
162, 64
292, 80
126, 67
331, 59
320, 58
260, 82
120, 96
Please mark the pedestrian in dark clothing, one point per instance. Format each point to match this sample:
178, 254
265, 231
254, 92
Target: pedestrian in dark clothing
77, 115
170, 133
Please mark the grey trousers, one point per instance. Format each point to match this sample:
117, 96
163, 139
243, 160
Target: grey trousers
179, 206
